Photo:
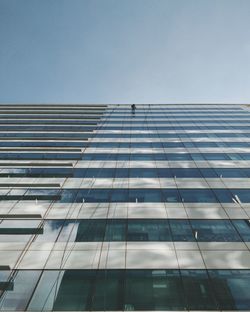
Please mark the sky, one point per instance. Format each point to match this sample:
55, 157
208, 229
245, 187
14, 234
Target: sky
124, 51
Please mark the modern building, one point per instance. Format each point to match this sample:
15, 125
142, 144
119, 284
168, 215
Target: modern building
108, 208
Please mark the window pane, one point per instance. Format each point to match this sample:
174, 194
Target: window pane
153, 290
75, 290
91, 230
108, 294
148, 230
18, 298
198, 291
45, 293
115, 230
197, 195
243, 227
215, 231
171, 195
181, 230
232, 288
146, 195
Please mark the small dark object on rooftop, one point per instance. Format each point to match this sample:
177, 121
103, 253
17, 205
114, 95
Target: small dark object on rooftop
133, 107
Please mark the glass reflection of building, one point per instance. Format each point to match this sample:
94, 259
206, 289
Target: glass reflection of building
108, 209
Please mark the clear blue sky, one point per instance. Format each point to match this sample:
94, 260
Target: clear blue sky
124, 51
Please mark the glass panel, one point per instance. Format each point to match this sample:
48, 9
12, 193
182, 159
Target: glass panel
181, 230
246, 171
75, 291
197, 195
19, 230
145, 173
215, 231
164, 173
91, 230
68, 196
146, 195
170, 195
116, 230
46, 290
236, 156
93, 196
51, 229
122, 172
178, 156
243, 227
197, 156
186, 172
244, 156
153, 290
223, 195
230, 173
242, 194
18, 298
119, 195
100, 173
198, 291
6, 281
148, 230
208, 173
232, 288
214, 156
108, 294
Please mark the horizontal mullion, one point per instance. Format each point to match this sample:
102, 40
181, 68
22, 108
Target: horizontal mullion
39, 149
21, 231
20, 216
28, 185
49, 138
40, 121
13, 164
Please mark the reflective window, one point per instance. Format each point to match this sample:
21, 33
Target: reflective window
153, 290
90, 230
74, 291
98, 230
18, 298
131, 195
116, 290
230, 173
186, 172
242, 194
109, 290
145, 195
19, 230
116, 230
214, 231
171, 195
231, 288
198, 290
181, 230
164, 172
148, 230
208, 173
135, 172
243, 227
197, 196
223, 195
46, 291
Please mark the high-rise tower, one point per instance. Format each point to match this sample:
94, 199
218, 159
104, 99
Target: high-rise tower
108, 208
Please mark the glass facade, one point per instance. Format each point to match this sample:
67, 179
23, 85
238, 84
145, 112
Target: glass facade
109, 208
117, 290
